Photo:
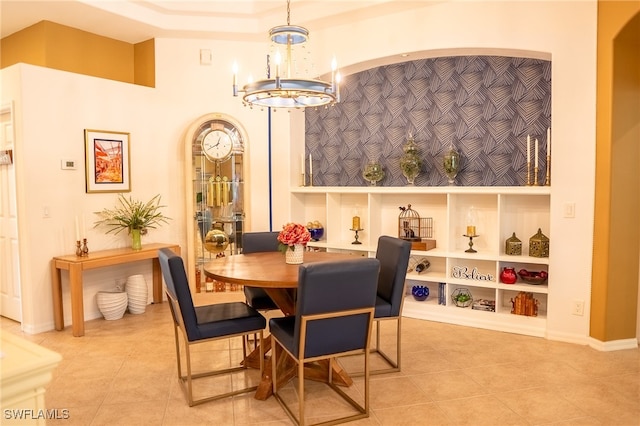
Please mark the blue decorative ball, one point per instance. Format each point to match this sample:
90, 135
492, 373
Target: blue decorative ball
420, 292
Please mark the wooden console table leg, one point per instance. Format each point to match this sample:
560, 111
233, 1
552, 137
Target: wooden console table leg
157, 281
77, 303
56, 288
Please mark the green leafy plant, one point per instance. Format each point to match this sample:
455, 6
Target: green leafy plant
132, 214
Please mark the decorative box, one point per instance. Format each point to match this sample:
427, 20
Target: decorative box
539, 245
513, 246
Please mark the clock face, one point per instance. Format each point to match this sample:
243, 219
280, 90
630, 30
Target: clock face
217, 145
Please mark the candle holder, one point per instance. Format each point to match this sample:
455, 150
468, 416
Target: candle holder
356, 237
470, 249
85, 248
303, 179
310, 179
535, 176
528, 173
547, 179
78, 248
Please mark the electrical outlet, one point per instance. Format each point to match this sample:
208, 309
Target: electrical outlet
578, 307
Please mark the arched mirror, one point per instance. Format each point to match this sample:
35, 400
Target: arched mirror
215, 156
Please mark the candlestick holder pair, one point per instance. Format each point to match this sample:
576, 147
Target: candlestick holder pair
303, 178
82, 250
547, 180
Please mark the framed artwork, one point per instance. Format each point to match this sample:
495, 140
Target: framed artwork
107, 161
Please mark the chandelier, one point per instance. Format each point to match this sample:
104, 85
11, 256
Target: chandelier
285, 90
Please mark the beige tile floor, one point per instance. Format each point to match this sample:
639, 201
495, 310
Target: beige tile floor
123, 372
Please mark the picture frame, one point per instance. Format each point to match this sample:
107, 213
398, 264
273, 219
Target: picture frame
107, 161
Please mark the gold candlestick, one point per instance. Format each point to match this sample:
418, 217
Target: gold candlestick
547, 178
535, 176
356, 230
303, 179
310, 179
528, 173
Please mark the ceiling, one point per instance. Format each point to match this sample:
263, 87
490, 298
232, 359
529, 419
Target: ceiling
140, 20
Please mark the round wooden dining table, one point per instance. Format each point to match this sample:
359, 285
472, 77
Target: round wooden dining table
269, 271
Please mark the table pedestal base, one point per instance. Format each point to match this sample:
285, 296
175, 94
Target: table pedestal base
318, 371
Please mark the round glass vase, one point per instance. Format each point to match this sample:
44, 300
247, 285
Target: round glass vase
410, 162
373, 172
451, 164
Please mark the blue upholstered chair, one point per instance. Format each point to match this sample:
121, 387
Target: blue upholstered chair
393, 254
334, 316
254, 242
199, 324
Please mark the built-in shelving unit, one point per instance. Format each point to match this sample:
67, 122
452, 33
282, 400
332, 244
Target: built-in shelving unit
499, 211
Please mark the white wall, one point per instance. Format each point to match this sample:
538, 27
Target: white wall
54, 107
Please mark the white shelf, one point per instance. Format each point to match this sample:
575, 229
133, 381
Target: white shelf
500, 212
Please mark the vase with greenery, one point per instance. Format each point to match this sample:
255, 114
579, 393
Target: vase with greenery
135, 216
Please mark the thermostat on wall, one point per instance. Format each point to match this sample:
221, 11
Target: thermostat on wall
68, 164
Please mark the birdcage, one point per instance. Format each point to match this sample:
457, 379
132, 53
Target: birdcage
418, 230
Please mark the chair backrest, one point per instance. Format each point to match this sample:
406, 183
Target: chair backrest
332, 287
393, 254
254, 242
178, 292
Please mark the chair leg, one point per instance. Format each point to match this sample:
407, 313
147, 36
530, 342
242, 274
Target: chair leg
394, 364
301, 392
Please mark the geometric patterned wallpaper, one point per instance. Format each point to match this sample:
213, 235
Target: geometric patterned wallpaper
484, 105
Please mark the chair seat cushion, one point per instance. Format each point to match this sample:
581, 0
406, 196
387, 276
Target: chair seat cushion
283, 330
227, 318
383, 308
258, 299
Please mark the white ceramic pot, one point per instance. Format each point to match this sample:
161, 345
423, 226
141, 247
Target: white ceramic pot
137, 292
295, 256
112, 304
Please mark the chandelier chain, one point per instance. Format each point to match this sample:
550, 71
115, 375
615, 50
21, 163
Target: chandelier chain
288, 12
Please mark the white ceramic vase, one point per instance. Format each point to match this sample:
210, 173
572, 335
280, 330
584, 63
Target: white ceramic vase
296, 256
112, 304
137, 292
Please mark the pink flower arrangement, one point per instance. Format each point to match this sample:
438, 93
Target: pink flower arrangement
292, 234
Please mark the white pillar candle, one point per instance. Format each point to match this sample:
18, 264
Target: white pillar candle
302, 164
528, 149
310, 165
77, 230
536, 153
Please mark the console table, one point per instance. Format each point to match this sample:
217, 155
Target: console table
98, 259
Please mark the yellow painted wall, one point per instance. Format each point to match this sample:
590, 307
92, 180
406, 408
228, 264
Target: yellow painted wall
616, 232
144, 69
64, 48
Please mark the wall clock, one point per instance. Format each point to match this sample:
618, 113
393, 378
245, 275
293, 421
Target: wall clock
218, 140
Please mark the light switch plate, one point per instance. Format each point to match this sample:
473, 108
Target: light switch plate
68, 164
